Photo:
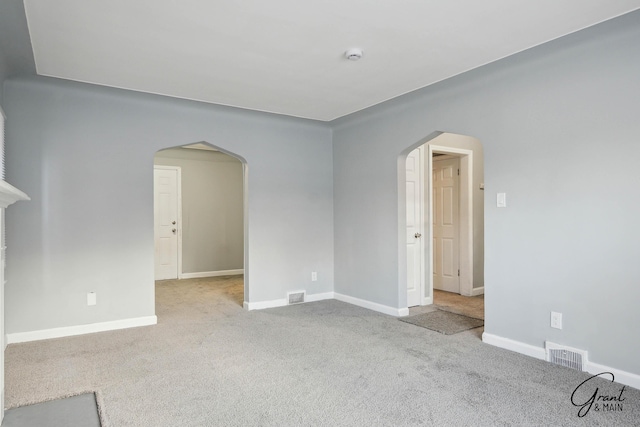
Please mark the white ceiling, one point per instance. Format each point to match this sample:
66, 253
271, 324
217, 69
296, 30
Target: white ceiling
287, 56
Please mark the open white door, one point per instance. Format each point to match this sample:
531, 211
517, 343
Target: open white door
166, 208
446, 224
415, 227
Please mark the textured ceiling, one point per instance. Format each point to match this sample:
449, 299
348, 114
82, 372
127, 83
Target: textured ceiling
287, 56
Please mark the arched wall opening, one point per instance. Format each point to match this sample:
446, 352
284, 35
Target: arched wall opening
206, 235
416, 281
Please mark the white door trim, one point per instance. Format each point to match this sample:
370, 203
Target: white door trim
178, 170
466, 216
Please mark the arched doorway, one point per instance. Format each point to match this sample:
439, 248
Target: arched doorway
200, 229
461, 256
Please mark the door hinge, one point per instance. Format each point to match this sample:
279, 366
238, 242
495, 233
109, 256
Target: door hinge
458, 272
458, 172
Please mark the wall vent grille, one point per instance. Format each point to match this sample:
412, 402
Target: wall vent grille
566, 356
295, 297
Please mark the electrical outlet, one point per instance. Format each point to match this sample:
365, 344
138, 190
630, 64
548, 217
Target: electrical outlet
91, 298
556, 320
314, 276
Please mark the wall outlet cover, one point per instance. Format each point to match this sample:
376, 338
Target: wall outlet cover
91, 298
556, 320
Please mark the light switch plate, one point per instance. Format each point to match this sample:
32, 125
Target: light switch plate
501, 200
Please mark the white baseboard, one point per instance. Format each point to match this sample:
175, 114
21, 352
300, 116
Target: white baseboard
319, 297
260, 305
211, 274
69, 331
477, 291
622, 377
392, 311
517, 346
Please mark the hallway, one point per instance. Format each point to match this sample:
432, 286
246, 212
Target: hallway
455, 303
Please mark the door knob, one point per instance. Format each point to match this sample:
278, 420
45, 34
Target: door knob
173, 222
417, 235
173, 231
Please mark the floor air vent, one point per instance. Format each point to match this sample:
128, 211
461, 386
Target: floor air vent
566, 356
296, 297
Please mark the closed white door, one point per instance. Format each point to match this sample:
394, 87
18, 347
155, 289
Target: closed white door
446, 225
415, 228
165, 210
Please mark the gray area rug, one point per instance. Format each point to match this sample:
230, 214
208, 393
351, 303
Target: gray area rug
444, 322
73, 411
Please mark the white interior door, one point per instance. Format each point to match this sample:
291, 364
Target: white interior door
446, 224
415, 227
165, 212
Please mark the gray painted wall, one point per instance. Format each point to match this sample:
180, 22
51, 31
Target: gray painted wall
212, 209
568, 240
4, 72
84, 154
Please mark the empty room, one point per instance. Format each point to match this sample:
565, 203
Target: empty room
343, 213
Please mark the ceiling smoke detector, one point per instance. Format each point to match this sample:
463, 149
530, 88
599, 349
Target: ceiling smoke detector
353, 54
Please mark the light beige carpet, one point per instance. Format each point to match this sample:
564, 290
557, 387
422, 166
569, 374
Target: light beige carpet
210, 363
